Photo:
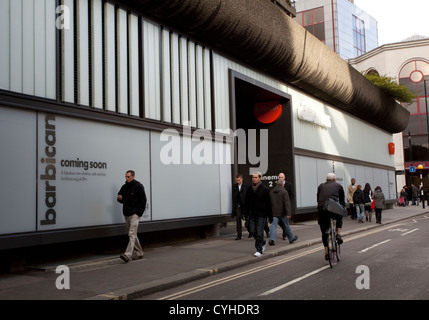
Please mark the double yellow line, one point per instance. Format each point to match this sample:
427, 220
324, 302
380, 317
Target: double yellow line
262, 268
237, 275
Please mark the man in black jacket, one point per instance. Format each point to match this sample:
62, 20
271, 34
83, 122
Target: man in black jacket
258, 209
334, 190
133, 198
238, 197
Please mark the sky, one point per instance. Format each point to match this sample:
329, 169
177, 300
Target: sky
398, 19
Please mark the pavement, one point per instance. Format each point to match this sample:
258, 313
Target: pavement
107, 277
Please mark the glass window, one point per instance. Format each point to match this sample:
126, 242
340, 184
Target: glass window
313, 21
319, 31
423, 124
407, 69
359, 36
307, 17
412, 108
412, 75
319, 15
413, 125
298, 18
309, 28
423, 67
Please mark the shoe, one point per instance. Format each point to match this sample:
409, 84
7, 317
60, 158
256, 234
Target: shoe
326, 257
271, 243
257, 254
263, 247
125, 258
339, 239
294, 239
238, 238
250, 235
137, 257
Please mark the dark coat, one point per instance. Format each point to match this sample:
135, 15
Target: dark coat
258, 203
289, 188
133, 198
330, 189
358, 197
238, 197
280, 202
379, 199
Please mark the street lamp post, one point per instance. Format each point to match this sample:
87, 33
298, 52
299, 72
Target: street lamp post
427, 115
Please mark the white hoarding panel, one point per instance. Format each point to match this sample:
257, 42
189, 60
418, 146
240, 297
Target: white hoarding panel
311, 172
17, 171
81, 167
187, 179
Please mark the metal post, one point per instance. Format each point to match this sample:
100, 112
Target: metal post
411, 156
427, 118
427, 115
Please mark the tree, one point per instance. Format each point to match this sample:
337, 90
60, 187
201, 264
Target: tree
390, 85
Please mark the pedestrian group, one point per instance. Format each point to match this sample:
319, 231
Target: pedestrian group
259, 206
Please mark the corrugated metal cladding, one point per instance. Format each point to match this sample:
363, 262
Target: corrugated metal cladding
103, 48
28, 50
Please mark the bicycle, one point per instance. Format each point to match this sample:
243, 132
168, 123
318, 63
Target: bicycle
334, 248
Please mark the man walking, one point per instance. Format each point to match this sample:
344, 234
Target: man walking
238, 197
350, 191
258, 209
289, 188
280, 206
133, 197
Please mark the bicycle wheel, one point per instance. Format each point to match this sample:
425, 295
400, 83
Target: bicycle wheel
333, 245
331, 252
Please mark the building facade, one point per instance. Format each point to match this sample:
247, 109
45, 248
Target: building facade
340, 24
408, 62
185, 95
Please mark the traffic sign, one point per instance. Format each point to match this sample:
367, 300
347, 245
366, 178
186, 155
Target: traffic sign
412, 169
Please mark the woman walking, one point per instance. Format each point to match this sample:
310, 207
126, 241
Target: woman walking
379, 203
368, 194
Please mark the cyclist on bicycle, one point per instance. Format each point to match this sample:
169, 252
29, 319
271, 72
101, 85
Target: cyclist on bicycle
329, 189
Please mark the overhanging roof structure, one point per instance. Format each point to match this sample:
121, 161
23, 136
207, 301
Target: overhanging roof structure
258, 33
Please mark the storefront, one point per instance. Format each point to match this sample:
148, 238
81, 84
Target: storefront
100, 87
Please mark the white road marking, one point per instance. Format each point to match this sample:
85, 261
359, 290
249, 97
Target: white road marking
266, 293
398, 229
409, 231
375, 245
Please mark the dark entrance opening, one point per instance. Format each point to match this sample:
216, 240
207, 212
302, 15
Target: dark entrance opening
250, 100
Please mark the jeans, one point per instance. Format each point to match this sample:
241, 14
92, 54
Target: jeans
256, 226
360, 211
283, 222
